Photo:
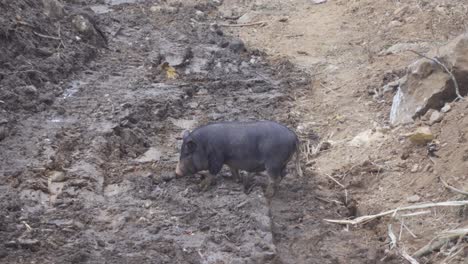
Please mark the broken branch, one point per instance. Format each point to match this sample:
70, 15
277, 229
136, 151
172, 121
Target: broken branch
367, 218
46, 36
259, 23
408, 257
451, 187
435, 60
441, 240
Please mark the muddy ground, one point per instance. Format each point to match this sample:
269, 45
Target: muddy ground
91, 116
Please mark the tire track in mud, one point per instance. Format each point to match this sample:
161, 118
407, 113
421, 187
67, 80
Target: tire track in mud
90, 181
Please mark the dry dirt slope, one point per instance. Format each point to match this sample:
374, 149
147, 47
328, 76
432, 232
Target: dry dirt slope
353, 49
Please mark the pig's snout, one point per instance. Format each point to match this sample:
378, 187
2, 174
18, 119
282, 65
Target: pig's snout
178, 171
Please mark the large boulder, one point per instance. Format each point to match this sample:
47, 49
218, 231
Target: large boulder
427, 85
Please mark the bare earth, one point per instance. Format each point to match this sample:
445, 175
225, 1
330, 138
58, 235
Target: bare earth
89, 131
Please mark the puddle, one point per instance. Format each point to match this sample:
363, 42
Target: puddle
184, 123
100, 9
119, 2
72, 89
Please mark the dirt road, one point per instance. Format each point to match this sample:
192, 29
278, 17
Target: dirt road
88, 175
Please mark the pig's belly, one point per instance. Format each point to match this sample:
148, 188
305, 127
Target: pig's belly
248, 165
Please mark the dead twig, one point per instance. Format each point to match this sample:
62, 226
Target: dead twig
435, 60
337, 182
440, 240
46, 36
452, 256
259, 23
367, 218
26, 225
427, 249
391, 235
408, 257
409, 230
451, 187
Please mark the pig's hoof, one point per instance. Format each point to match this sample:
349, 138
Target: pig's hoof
269, 192
205, 184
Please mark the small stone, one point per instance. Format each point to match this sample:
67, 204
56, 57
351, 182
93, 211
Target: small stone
199, 14
151, 155
57, 176
193, 105
155, 9
53, 8
405, 155
446, 108
3, 133
247, 18
202, 91
395, 23
30, 89
237, 45
82, 25
428, 168
283, 19
399, 12
415, 168
414, 198
28, 243
436, 117
421, 136
325, 146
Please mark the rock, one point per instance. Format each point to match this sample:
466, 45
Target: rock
325, 146
3, 132
415, 168
155, 8
247, 18
53, 9
151, 155
414, 198
395, 23
83, 25
237, 45
436, 117
446, 108
422, 136
200, 14
367, 138
283, 19
316, 2
29, 89
57, 176
164, 10
401, 11
178, 58
402, 47
28, 243
391, 86
426, 85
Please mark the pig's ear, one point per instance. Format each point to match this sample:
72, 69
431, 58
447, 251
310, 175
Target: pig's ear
185, 134
191, 145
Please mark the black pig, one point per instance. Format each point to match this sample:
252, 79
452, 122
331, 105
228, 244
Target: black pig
250, 146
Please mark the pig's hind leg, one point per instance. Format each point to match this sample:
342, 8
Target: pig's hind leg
274, 178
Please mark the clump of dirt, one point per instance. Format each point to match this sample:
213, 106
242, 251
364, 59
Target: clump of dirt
40, 46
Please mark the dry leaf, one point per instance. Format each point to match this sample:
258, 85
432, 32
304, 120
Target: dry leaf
171, 73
